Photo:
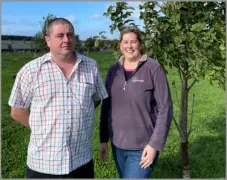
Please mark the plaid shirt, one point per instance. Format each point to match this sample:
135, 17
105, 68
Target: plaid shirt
62, 112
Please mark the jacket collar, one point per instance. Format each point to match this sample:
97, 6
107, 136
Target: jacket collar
142, 59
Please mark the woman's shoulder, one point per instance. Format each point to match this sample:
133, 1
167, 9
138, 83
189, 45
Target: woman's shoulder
114, 66
154, 64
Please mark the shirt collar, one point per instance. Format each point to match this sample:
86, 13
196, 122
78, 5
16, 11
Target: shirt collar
47, 57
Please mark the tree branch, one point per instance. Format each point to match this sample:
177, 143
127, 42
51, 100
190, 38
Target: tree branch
193, 104
178, 102
180, 71
198, 126
192, 84
177, 125
156, 3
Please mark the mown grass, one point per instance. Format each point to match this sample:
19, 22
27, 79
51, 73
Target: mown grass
206, 143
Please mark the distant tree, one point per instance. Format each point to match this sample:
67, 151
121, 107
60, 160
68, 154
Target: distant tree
109, 44
16, 37
89, 44
114, 44
99, 41
78, 43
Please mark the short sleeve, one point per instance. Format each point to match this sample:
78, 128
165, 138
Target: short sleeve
100, 90
21, 92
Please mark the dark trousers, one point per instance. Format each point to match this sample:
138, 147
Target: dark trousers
85, 171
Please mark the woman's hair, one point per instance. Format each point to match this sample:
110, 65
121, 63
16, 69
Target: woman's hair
132, 29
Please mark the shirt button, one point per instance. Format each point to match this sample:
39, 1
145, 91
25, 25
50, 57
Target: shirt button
68, 111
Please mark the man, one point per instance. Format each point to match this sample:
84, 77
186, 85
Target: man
62, 89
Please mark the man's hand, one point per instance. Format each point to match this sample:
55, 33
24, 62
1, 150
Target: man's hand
148, 156
103, 149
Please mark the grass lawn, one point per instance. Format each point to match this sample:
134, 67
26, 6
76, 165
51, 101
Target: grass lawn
206, 143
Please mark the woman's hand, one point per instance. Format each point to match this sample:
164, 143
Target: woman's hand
148, 156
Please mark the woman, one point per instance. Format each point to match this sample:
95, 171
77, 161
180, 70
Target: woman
136, 116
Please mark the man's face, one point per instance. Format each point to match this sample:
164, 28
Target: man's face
61, 39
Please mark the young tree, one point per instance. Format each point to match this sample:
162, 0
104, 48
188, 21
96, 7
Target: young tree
120, 16
89, 44
100, 41
189, 36
39, 36
78, 42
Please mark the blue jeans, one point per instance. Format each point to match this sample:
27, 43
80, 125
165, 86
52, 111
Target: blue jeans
128, 163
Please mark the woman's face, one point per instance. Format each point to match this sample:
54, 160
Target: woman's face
130, 46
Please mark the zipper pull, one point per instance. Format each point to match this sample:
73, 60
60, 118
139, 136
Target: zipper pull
124, 85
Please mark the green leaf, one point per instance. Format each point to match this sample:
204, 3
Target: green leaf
131, 8
97, 43
177, 40
191, 36
165, 55
222, 47
198, 26
127, 21
223, 54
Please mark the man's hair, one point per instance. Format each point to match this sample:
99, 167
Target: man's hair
50, 22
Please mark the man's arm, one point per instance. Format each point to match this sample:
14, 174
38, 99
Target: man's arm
21, 115
21, 96
100, 90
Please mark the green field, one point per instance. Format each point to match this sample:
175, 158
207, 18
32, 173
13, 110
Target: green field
206, 143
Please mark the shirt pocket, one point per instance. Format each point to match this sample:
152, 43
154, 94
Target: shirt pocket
82, 90
48, 93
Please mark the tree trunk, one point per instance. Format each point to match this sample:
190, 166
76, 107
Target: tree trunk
183, 126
